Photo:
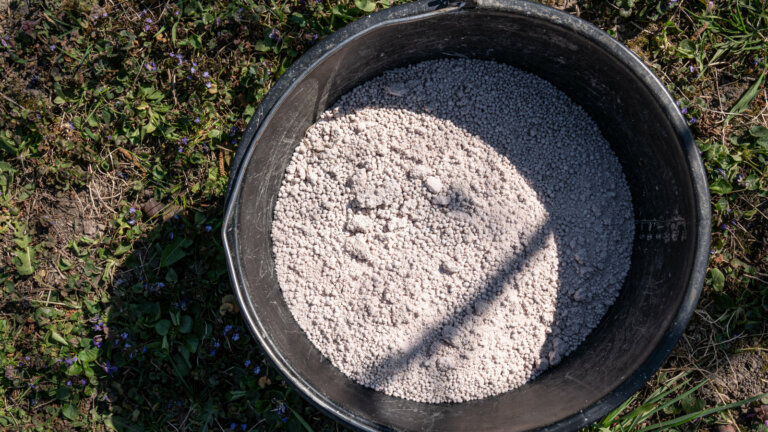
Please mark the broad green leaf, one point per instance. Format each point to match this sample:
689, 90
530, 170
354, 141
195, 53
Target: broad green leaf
88, 355
186, 324
23, 261
162, 327
174, 252
58, 338
718, 279
720, 187
365, 5
70, 412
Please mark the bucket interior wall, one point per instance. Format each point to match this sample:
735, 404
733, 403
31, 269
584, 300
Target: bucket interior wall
628, 116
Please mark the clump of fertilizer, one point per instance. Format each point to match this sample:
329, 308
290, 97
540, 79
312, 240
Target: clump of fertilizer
450, 230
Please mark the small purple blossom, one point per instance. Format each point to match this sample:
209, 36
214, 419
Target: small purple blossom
218, 21
69, 383
151, 66
131, 221
181, 149
275, 34
208, 84
192, 69
247, 363
281, 409
83, 381
205, 74
149, 20
132, 210
724, 227
197, 119
184, 140
243, 426
692, 120
98, 341
108, 368
146, 27
236, 337
232, 426
257, 370
684, 111
227, 328
52, 47
170, 236
208, 228
124, 335
70, 361
5, 44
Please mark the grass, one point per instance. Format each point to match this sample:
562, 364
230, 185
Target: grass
118, 122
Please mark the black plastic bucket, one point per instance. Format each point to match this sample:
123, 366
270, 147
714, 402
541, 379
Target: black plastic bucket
634, 112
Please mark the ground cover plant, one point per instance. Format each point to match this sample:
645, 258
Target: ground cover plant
118, 122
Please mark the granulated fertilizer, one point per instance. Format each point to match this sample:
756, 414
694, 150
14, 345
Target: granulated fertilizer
451, 229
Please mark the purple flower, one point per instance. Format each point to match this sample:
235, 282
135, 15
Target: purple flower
176, 13
724, 227
132, 210
243, 426
146, 27
181, 149
52, 47
69, 383
98, 340
151, 66
684, 110
5, 44
232, 426
257, 370
236, 337
284, 419
185, 140
83, 381
108, 368
124, 335
247, 363
149, 20
170, 236
208, 84
192, 69
197, 119
227, 328
281, 409
692, 120
70, 125
213, 353
274, 34
208, 228
692, 69
131, 222
205, 74
218, 21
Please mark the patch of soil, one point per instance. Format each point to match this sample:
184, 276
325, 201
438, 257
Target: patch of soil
742, 375
731, 92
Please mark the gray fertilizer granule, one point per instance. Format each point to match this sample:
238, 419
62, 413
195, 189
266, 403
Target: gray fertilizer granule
449, 230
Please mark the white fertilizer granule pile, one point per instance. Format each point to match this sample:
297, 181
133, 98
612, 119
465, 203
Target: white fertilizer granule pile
451, 229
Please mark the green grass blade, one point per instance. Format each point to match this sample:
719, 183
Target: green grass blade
688, 417
742, 104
